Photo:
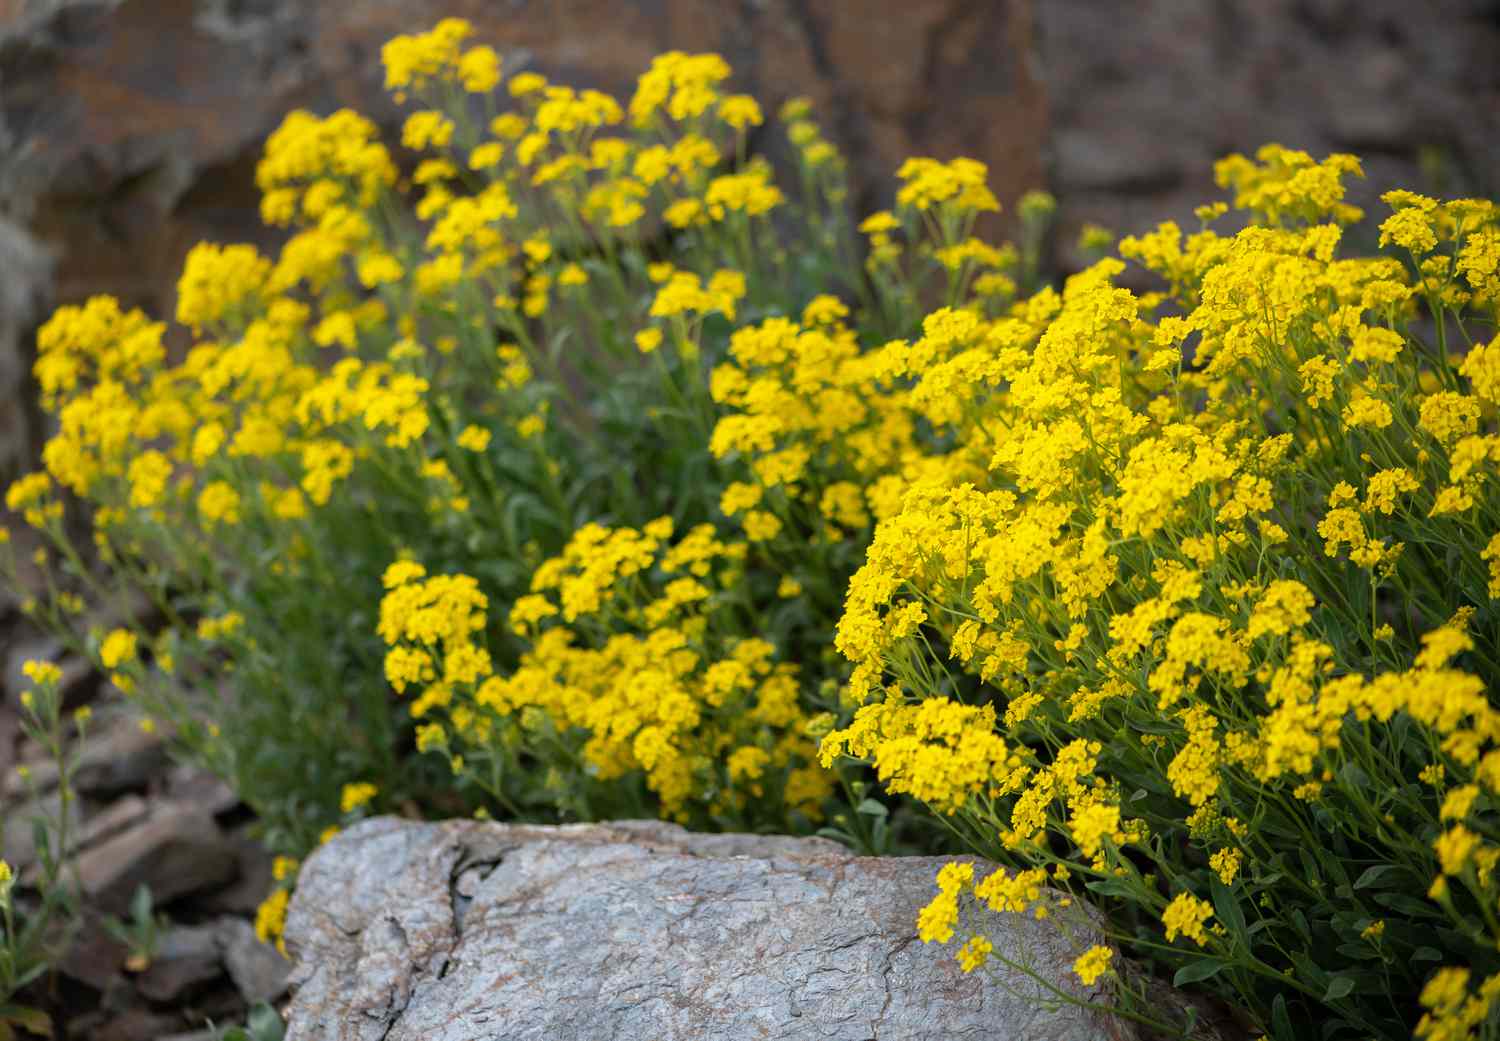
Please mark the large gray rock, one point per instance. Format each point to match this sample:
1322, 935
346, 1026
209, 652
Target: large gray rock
640, 931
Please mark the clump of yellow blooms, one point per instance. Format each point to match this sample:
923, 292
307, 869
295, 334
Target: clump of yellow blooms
584, 470
1204, 584
634, 674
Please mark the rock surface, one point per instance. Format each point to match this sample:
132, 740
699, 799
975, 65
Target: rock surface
639, 930
1142, 104
24, 291
175, 851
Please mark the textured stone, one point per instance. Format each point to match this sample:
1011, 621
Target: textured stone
1142, 104
258, 970
186, 956
467, 930
25, 276
253, 879
191, 784
116, 756
175, 851
112, 819
94, 956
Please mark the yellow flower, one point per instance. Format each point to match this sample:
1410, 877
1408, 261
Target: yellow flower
479, 70
1185, 916
148, 475
219, 503
935, 922
474, 438
427, 129
1454, 849
356, 795
527, 83
1286, 604
1226, 864
483, 157
1093, 963
46, 673
740, 111
761, 526
974, 953
1093, 824
738, 497
117, 648
824, 309
270, 917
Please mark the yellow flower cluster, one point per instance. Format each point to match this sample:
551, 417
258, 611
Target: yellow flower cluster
415, 61
640, 678
1119, 526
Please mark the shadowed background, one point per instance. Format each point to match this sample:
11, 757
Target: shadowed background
129, 129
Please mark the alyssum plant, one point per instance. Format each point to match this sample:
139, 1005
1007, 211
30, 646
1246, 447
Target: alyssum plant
582, 472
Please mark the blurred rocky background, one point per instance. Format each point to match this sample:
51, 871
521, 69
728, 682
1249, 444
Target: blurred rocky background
129, 129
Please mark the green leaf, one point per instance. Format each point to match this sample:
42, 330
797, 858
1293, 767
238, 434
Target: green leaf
31, 974
1309, 970
1371, 875
1201, 969
1281, 1020
1355, 777
1339, 987
1406, 904
31, 1020
1359, 951
140, 904
1310, 866
1229, 911
1300, 921
1109, 887
265, 1023
872, 808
